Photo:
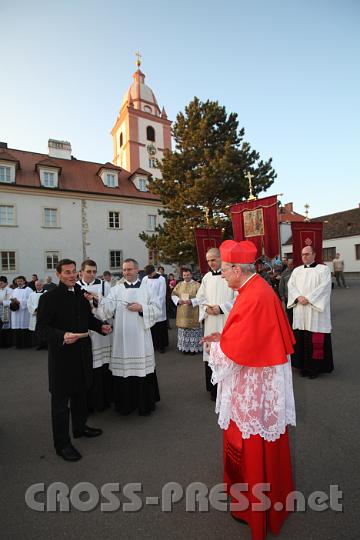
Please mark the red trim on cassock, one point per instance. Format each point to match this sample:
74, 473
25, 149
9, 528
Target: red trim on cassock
257, 332
256, 461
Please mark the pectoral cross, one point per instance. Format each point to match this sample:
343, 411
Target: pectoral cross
250, 176
138, 59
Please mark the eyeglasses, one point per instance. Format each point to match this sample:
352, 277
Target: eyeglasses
223, 270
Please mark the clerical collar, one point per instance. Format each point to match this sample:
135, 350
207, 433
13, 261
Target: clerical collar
132, 285
39, 292
71, 289
155, 277
215, 272
312, 265
96, 281
87, 284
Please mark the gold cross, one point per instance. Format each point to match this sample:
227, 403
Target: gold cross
250, 176
138, 59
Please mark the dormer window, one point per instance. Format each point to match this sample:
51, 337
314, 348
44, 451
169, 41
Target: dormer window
7, 173
111, 180
48, 178
150, 133
109, 175
143, 184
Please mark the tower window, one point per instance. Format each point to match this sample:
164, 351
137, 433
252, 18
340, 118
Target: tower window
150, 133
121, 141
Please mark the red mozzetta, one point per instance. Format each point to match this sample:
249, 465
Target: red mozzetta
257, 332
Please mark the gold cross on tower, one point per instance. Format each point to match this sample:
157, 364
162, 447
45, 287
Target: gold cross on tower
250, 176
138, 59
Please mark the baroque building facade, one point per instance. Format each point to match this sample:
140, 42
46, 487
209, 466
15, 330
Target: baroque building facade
54, 206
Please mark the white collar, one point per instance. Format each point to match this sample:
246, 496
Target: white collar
87, 284
131, 283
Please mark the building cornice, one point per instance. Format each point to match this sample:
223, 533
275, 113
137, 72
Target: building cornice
19, 190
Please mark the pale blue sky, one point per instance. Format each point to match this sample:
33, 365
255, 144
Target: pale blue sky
289, 68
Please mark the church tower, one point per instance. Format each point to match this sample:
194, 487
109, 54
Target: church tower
141, 132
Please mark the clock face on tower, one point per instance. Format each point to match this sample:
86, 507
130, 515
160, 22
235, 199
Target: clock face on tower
151, 149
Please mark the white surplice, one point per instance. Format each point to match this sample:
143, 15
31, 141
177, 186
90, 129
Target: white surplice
213, 291
101, 345
132, 349
20, 318
315, 285
32, 305
158, 286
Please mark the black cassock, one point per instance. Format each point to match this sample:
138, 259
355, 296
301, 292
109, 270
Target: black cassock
70, 366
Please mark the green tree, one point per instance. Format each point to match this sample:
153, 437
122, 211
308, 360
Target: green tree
202, 177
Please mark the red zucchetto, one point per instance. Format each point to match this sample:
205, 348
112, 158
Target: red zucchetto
244, 252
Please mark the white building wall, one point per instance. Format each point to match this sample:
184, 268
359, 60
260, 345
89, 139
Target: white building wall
345, 246
101, 239
30, 239
285, 233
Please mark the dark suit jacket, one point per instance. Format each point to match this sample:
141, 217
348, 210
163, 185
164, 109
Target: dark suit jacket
70, 366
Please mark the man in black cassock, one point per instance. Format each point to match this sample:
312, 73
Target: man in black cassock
64, 319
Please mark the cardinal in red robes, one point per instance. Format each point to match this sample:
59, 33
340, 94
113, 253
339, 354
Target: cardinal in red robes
250, 361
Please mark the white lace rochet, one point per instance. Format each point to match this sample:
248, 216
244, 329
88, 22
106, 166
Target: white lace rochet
259, 400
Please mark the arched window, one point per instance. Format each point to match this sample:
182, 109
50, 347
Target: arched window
121, 140
150, 133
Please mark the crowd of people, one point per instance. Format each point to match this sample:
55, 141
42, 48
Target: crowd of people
251, 319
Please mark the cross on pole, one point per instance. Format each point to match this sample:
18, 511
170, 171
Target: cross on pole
250, 176
307, 206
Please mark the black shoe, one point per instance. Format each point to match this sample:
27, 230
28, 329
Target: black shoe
88, 432
69, 453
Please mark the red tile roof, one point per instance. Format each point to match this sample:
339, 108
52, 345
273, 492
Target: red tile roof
75, 175
287, 214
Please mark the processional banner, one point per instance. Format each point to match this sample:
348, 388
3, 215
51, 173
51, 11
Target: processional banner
257, 221
206, 239
307, 233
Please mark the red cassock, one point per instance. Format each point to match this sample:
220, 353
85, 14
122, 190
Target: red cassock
257, 334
